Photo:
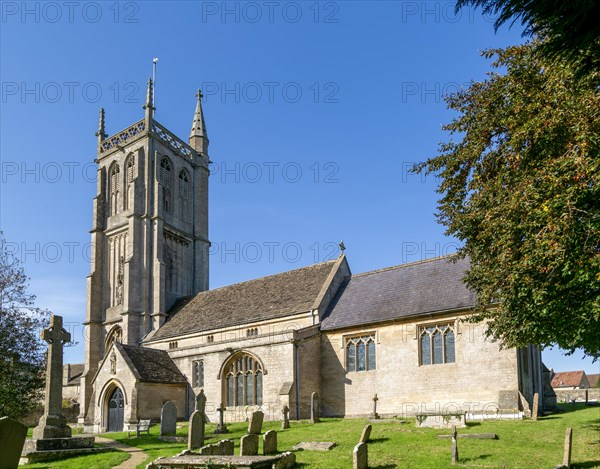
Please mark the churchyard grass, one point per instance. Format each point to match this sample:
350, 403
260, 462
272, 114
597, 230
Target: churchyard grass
521, 444
95, 461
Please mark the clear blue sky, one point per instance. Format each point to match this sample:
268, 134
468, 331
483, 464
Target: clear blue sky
315, 112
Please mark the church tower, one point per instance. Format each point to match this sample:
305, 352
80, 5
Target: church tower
149, 233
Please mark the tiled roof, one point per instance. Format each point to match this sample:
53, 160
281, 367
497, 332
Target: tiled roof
264, 298
152, 365
407, 290
568, 379
593, 380
75, 374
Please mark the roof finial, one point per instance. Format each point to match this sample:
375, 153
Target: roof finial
101, 134
149, 106
198, 136
342, 246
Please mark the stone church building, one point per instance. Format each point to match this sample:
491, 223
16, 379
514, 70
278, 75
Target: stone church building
158, 333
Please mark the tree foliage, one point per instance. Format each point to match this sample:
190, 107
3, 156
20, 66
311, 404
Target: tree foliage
571, 26
519, 178
22, 354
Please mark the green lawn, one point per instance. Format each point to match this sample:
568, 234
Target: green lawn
521, 444
95, 461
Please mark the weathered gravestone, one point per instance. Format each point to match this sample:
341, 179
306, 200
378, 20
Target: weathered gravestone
360, 456
221, 427
314, 408
255, 424
366, 434
454, 446
249, 445
286, 417
270, 442
197, 422
534, 409
12, 438
168, 419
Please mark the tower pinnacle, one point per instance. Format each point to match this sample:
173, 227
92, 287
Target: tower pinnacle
198, 136
101, 134
149, 106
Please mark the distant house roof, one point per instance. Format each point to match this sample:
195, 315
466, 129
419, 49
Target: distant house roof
151, 365
569, 379
261, 299
74, 373
408, 290
593, 380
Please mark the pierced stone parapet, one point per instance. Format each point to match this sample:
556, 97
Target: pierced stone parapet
173, 142
123, 137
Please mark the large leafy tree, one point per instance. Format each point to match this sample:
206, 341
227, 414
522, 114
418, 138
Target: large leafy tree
22, 356
571, 26
520, 183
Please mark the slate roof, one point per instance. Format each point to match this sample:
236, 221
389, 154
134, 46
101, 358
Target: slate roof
408, 290
152, 365
75, 373
261, 299
568, 379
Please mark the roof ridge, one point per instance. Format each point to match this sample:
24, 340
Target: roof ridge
408, 264
265, 277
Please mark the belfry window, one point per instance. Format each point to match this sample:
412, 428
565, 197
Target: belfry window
114, 188
436, 344
184, 184
165, 180
243, 381
360, 353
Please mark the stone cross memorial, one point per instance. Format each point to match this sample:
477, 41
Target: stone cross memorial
375, 415
53, 424
221, 427
286, 417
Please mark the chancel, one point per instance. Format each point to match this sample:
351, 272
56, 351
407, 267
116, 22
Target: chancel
314, 336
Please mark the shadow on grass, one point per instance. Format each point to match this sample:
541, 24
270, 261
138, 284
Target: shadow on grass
378, 440
586, 464
384, 466
473, 424
475, 459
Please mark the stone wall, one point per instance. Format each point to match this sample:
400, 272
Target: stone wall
567, 395
481, 372
309, 374
152, 396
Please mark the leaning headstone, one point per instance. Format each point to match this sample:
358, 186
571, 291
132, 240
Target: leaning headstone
249, 445
286, 417
12, 438
567, 453
168, 419
454, 447
255, 424
360, 456
314, 408
375, 415
270, 442
366, 434
196, 430
534, 409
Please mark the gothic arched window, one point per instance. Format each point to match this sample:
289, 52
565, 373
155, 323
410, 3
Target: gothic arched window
436, 344
243, 381
360, 353
114, 188
165, 180
184, 184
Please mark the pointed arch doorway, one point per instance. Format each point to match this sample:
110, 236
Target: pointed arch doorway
116, 411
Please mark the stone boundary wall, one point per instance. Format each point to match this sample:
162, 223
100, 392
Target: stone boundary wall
566, 395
